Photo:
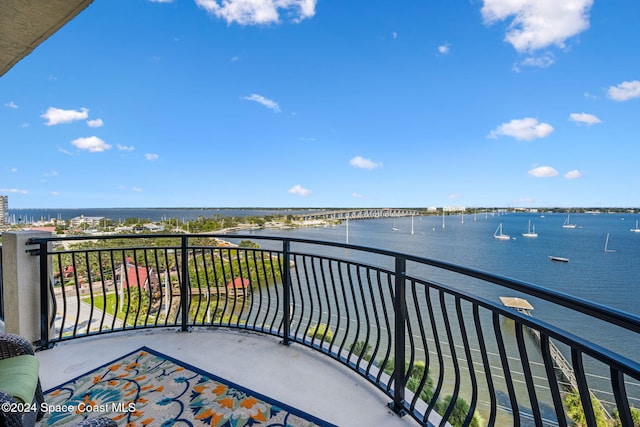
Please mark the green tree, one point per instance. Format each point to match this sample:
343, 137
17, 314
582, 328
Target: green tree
575, 411
459, 413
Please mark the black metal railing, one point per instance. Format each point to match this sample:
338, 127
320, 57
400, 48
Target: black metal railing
1, 288
407, 324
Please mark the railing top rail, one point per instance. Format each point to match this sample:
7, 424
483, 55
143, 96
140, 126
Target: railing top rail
611, 315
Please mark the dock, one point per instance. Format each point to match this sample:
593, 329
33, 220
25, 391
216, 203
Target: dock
561, 364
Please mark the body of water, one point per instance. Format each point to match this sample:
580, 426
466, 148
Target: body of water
609, 278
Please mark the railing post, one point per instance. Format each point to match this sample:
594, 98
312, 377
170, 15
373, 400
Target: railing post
400, 307
184, 284
286, 284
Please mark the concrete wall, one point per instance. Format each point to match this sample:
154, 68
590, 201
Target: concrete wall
21, 284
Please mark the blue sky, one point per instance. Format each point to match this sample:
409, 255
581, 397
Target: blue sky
312, 103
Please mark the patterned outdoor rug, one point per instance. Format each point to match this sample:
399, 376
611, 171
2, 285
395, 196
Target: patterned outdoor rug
147, 388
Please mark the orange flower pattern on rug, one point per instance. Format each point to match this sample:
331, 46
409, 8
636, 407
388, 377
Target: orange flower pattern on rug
146, 388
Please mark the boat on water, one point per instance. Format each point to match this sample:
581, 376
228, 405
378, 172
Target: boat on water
530, 233
636, 229
606, 245
558, 258
567, 223
499, 235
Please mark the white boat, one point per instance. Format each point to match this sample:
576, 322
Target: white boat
568, 224
498, 234
636, 229
558, 258
606, 245
530, 233
394, 226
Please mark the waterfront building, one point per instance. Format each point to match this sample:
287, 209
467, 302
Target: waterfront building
85, 220
4, 209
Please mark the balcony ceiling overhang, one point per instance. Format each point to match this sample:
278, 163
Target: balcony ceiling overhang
24, 24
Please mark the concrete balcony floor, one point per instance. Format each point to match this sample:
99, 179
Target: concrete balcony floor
294, 375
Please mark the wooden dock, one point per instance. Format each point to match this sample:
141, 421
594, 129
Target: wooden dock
560, 363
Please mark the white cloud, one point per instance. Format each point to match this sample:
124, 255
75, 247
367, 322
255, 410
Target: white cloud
543, 172
14, 170
537, 24
125, 147
588, 119
11, 104
542, 61
97, 123
625, 91
54, 193
134, 189
151, 157
453, 196
356, 195
161, 1
574, 174
256, 12
523, 201
56, 116
13, 190
264, 101
525, 129
67, 152
297, 189
444, 49
92, 144
362, 163
394, 35
588, 95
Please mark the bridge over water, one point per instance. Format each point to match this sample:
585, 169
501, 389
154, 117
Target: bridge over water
370, 213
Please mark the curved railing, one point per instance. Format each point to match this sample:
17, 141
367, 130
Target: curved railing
409, 325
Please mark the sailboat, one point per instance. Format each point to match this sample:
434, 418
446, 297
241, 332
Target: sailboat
498, 234
394, 226
636, 229
529, 232
567, 224
412, 224
606, 245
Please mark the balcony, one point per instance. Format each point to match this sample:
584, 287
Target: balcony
355, 335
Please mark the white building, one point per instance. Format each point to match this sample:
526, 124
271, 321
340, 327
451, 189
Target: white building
85, 220
4, 209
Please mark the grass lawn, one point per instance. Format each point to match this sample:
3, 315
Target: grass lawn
111, 302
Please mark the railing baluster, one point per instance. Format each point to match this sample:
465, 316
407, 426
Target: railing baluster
620, 394
486, 365
184, 284
286, 292
583, 388
44, 295
545, 348
472, 371
436, 338
454, 360
528, 377
506, 370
